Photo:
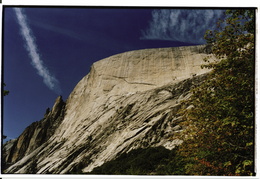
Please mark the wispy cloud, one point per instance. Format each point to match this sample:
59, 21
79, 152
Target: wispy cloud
49, 79
96, 38
181, 24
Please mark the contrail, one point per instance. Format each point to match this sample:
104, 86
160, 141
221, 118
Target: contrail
49, 79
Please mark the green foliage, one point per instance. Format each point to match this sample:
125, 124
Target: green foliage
220, 134
147, 161
5, 92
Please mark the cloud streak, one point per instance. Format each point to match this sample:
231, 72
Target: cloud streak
50, 81
181, 24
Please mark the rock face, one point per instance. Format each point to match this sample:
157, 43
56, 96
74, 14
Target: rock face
127, 101
34, 135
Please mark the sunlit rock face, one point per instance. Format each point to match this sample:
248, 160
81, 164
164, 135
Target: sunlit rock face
127, 101
34, 135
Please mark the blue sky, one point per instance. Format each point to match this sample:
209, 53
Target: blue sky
47, 51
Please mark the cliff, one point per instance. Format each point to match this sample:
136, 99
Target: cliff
127, 101
34, 135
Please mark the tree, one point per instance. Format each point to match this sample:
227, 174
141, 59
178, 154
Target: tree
219, 137
5, 92
47, 111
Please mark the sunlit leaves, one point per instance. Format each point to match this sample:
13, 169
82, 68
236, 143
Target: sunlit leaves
218, 139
